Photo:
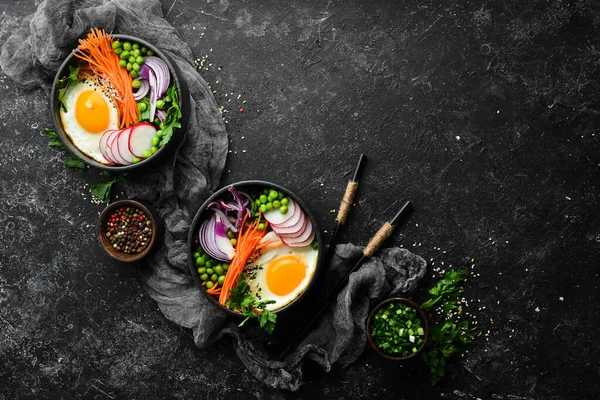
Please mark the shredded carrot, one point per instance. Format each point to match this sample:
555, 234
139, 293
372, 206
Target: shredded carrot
247, 243
104, 69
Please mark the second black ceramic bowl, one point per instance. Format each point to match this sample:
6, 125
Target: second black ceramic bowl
193, 241
178, 134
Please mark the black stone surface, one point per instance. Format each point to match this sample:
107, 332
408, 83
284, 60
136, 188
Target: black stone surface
484, 114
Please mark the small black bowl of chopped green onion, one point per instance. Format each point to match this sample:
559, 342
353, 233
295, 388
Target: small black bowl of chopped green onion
397, 329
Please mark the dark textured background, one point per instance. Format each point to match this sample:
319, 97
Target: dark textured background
485, 115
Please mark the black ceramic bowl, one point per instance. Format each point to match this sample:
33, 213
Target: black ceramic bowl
408, 303
178, 134
193, 241
103, 229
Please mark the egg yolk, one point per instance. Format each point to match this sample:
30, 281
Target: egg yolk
92, 111
284, 274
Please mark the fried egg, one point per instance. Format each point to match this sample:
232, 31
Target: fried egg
281, 274
89, 113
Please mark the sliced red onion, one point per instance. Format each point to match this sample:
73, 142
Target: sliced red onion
161, 115
163, 77
240, 206
142, 90
214, 240
225, 220
153, 94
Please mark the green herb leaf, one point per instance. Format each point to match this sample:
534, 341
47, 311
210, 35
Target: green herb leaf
64, 82
101, 190
73, 162
172, 116
241, 300
54, 140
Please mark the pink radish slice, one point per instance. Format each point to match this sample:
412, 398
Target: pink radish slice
294, 216
140, 139
102, 145
270, 238
305, 243
113, 145
124, 146
292, 231
110, 150
275, 217
300, 240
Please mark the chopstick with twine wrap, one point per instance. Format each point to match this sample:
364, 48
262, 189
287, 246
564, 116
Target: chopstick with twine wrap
374, 244
344, 208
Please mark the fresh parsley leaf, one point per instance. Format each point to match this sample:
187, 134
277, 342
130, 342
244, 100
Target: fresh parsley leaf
447, 337
172, 116
75, 163
54, 140
64, 82
241, 300
101, 190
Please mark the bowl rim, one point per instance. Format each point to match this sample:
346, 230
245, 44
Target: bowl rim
194, 229
178, 133
409, 303
129, 202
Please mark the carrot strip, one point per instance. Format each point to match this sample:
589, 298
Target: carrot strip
103, 68
247, 243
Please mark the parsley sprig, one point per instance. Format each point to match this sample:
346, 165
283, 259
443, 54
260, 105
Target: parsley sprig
241, 300
71, 162
453, 333
64, 83
101, 190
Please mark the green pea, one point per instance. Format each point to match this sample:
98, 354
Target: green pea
196, 255
209, 285
204, 277
269, 206
131, 59
283, 209
150, 53
146, 153
266, 190
127, 46
214, 277
273, 195
135, 46
263, 208
136, 67
118, 51
134, 74
284, 201
160, 144
136, 83
139, 59
200, 261
135, 160
142, 107
230, 235
129, 66
233, 241
154, 149
225, 266
208, 264
201, 270
263, 199
136, 53
122, 63
276, 204
168, 99
124, 55
210, 271
280, 196
144, 49
155, 141
159, 133
116, 44
261, 227
221, 279
219, 270
160, 104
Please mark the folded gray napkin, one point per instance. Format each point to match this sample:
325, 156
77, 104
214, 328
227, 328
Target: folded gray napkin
32, 55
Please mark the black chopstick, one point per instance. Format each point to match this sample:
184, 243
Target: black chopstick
383, 233
344, 208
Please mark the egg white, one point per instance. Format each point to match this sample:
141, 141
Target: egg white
256, 275
86, 142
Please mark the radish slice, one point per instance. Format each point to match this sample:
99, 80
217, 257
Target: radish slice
117, 149
292, 231
301, 240
275, 217
123, 144
111, 147
293, 220
270, 238
140, 139
102, 145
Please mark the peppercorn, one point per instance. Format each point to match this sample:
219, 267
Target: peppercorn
128, 230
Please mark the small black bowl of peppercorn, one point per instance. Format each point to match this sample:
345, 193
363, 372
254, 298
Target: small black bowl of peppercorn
127, 230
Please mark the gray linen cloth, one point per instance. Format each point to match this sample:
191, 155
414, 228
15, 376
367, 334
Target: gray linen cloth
32, 55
